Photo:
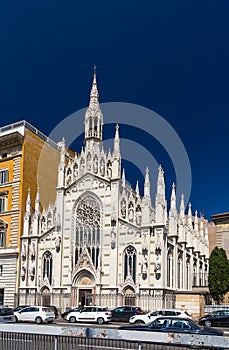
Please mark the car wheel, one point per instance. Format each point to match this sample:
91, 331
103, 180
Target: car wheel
139, 322
72, 319
207, 323
15, 319
38, 320
100, 320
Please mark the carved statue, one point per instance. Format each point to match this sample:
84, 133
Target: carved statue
32, 270
58, 242
144, 264
23, 270
32, 251
95, 165
123, 208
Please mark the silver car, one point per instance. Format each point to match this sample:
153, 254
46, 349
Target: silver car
6, 315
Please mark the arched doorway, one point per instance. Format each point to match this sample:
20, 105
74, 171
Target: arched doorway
129, 296
83, 289
45, 296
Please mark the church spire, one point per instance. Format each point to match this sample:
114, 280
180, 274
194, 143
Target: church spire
160, 201
93, 116
28, 203
173, 198
190, 214
123, 178
94, 95
37, 201
116, 143
137, 190
147, 184
182, 207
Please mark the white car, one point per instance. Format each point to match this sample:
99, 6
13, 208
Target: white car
97, 314
151, 316
38, 314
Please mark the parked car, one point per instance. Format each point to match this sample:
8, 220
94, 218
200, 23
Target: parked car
54, 308
38, 314
219, 318
173, 325
151, 316
66, 312
6, 315
123, 313
97, 314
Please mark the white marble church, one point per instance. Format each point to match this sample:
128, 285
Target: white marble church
101, 242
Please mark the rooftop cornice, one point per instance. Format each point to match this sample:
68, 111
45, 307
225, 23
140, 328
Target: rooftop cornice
10, 140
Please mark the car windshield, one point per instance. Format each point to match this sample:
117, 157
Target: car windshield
6, 311
48, 309
174, 323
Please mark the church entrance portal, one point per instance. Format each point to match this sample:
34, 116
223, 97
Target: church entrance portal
129, 296
45, 297
85, 297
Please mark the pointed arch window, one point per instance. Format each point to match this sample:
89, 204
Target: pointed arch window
90, 126
130, 259
169, 268
187, 272
47, 266
88, 228
180, 271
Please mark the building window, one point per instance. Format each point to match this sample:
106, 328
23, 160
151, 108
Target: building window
2, 239
130, 257
87, 229
3, 201
3, 176
169, 258
180, 271
47, 266
187, 272
1, 296
3, 230
1, 270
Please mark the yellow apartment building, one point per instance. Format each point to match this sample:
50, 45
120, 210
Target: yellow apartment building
24, 155
221, 222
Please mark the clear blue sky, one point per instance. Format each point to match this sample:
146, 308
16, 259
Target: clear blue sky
169, 56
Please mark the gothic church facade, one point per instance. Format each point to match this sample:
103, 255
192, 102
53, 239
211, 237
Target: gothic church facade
101, 242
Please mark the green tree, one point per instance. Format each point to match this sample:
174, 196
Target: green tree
218, 278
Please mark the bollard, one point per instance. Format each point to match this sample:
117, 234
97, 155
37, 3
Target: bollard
55, 343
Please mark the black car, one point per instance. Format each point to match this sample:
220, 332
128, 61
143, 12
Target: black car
123, 313
65, 313
54, 308
173, 325
219, 318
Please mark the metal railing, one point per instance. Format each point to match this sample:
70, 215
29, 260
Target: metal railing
27, 341
30, 127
